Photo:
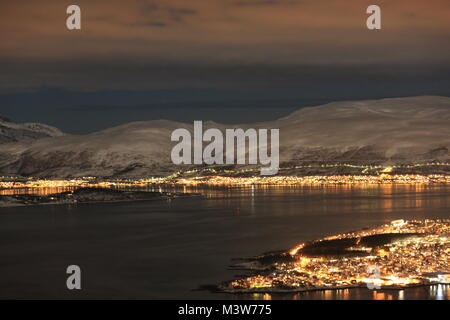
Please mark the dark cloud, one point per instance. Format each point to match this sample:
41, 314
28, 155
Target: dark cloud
144, 45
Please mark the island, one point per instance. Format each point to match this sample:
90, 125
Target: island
87, 195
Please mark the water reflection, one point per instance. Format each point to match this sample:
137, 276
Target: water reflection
365, 198
174, 238
330, 199
440, 292
435, 292
35, 191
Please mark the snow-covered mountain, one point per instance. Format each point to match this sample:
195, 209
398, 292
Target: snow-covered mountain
25, 132
386, 131
15, 138
398, 130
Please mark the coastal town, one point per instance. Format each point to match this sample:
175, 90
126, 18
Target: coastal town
425, 173
397, 255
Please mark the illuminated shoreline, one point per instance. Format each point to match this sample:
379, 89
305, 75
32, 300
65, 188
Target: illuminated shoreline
406, 254
229, 181
313, 180
304, 290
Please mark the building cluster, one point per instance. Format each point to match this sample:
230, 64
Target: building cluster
373, 175
420, 259
47, 186
311, 180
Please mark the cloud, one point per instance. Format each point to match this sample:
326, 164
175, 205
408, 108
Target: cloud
177, 34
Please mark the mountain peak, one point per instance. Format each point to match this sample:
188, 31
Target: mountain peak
26, 132
390, 131
404, 107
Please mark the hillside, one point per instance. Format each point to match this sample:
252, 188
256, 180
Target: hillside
387, 131
25, 132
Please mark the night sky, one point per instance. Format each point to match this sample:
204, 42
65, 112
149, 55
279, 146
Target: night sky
227, 60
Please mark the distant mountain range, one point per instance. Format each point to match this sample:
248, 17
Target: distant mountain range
26, 132
382, 132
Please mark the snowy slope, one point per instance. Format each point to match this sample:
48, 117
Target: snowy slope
26, 132
387, 131
405, 129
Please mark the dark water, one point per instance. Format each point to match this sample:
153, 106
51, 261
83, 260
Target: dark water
157, 250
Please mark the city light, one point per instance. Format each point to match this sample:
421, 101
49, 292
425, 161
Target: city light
417, 253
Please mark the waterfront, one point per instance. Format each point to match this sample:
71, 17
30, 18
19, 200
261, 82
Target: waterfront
165, 249
397, 255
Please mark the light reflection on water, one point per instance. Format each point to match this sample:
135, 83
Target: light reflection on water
384, 198
174, 240
435, 292
35, 191
389, 197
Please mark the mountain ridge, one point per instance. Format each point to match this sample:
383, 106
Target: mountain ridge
25, 132
371, 132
